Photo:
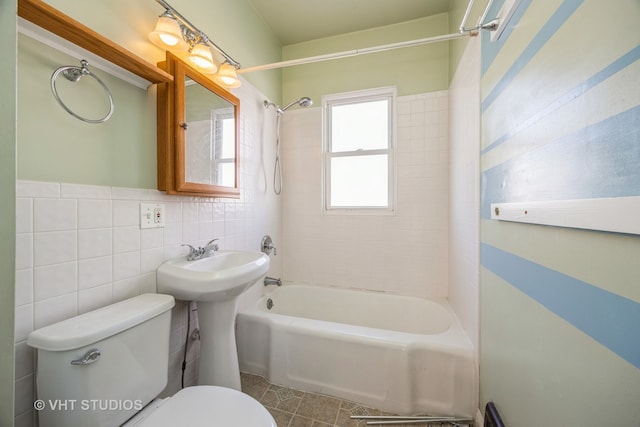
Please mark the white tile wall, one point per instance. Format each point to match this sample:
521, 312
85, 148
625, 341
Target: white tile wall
80, 247
404, 253
464, 252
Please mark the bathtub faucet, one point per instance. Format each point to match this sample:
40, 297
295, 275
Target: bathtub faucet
208, 250
272, 281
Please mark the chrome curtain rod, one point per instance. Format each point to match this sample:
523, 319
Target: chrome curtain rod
202, 35
464, 32
354, 52
466, 16
419, 419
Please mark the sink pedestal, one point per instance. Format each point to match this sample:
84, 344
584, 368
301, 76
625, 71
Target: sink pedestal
218, 351
214, 282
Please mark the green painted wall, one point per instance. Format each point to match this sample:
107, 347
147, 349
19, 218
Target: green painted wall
560, 307
413, 70
54, 146
7, 206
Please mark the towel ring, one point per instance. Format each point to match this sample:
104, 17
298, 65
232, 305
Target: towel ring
74, 74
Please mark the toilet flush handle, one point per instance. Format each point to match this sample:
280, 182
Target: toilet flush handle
90, 357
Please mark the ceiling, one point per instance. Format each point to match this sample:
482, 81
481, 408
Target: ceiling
296, 21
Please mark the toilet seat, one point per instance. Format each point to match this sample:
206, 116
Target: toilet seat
209, 406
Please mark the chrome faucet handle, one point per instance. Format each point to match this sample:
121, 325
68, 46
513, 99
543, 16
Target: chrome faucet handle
193, 252
275, 251
266, 245
214, 246
191, 248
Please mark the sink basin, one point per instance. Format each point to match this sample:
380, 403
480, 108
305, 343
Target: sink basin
222, 276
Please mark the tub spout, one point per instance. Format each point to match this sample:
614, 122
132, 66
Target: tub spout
272, 281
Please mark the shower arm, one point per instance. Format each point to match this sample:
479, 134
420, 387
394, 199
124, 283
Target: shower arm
302, 102
297, 101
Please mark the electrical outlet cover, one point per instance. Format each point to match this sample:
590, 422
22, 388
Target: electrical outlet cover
152, 215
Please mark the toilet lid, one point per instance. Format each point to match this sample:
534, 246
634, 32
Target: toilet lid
210, 406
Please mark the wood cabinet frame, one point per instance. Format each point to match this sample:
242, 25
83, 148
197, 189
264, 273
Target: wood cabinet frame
171, 135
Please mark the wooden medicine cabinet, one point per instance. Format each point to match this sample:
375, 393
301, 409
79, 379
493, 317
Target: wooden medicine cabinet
197, 134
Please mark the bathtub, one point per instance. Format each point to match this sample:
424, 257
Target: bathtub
398, 354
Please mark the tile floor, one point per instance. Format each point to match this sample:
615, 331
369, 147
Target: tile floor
293, 408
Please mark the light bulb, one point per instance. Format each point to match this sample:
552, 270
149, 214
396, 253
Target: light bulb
201, 56
227, 76
167, 33
169, 39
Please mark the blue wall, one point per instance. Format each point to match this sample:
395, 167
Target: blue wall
560, 307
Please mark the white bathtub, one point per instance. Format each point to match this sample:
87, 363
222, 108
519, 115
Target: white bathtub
399, 354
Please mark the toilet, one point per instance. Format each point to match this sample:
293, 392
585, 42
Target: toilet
105, 368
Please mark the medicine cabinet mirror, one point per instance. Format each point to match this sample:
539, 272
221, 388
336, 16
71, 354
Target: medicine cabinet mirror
197, 134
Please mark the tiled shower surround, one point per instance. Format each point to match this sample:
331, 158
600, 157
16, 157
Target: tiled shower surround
80, 247
404, 251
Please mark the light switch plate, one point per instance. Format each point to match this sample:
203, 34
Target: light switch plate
152, 215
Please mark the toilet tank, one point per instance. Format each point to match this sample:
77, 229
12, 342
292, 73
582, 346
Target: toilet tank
132, 338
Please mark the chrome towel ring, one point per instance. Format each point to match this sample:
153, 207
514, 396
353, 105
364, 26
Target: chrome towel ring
74, 74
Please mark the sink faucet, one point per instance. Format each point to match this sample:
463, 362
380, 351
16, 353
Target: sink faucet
208, 250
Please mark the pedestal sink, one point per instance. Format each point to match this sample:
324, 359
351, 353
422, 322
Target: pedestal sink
214, 283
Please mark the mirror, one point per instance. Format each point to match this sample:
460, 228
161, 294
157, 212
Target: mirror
209, 136
197, 134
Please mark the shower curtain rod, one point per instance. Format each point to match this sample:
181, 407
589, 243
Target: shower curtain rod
464, 32
354, 52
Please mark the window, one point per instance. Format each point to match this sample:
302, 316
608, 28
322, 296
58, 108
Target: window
223, 159
358, 161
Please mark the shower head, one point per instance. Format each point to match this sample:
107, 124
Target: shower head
303, 102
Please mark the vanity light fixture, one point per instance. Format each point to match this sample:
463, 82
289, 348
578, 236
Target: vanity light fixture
175, 33
227, 76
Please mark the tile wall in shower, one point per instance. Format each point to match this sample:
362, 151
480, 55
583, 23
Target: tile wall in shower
404, 251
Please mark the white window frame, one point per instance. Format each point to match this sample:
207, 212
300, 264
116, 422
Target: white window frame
217, 118
355, 97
